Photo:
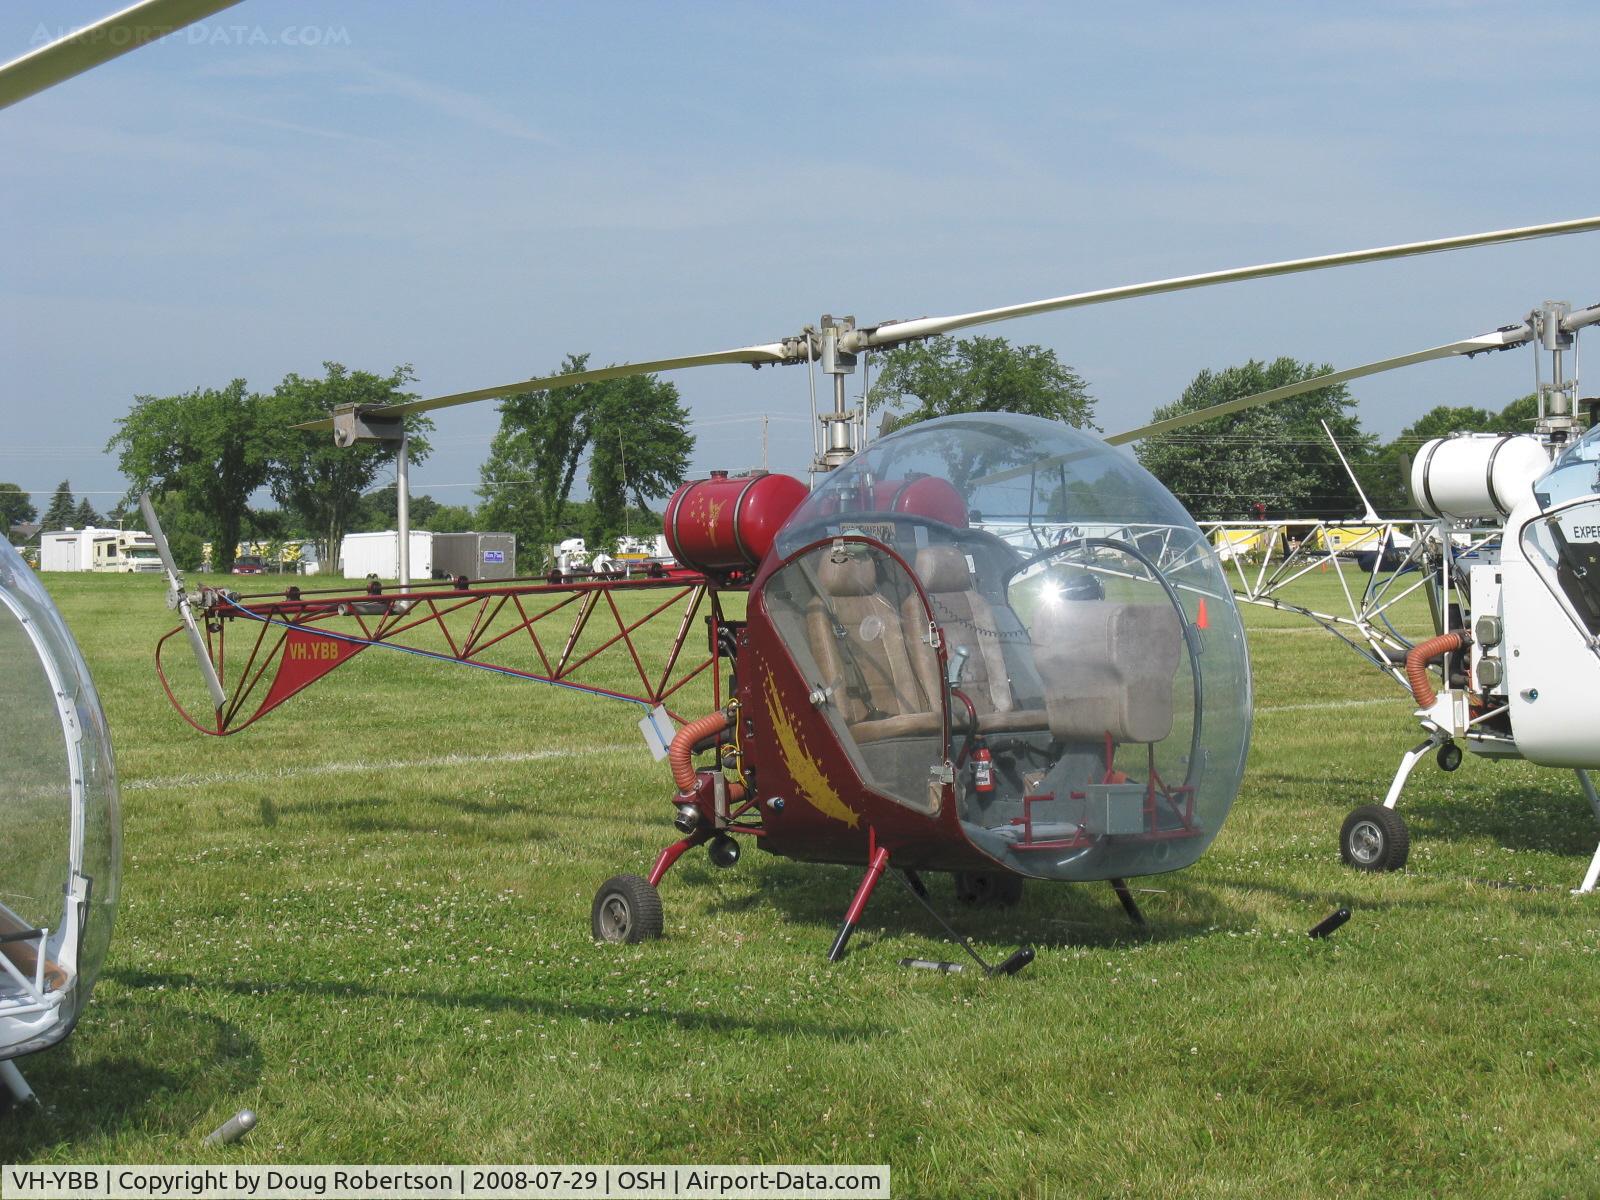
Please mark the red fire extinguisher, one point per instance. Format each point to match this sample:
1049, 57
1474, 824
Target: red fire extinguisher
982, 769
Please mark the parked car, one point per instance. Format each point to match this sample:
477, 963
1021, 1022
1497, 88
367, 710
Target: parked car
249, 564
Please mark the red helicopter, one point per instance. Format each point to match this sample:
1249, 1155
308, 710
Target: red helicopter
948, 662
990, 644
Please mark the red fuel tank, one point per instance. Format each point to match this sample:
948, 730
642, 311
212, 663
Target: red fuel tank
720, 524
922, 496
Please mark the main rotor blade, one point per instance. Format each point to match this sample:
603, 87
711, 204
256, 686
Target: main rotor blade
752, 355
1500, 339
894, 333
101, 42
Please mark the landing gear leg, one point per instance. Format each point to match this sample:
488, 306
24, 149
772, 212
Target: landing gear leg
672, 854
14, 1083
1592, 875
875, 870
1413, 756
1129, 904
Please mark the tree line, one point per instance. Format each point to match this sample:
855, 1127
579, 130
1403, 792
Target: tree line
207, 455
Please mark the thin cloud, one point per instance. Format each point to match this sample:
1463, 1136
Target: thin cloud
448, 101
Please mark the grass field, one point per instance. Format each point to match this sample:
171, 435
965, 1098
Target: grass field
367, 919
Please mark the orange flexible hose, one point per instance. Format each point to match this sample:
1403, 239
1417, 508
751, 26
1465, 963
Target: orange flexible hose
1420, 655
681, 755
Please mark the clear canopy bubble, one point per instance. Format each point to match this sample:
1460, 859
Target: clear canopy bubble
60, 860
1093, 695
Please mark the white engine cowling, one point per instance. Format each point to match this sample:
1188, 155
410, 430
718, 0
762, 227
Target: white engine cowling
1476, 474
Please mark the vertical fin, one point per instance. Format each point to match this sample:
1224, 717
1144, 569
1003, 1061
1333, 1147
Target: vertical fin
1370, 514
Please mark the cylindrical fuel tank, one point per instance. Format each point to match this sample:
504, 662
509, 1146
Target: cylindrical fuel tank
1476, 474
921, 496
721, 524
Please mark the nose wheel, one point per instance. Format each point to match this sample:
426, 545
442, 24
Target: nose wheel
626, 909
1375, 838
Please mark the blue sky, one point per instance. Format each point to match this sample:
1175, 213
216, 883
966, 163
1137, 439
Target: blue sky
481, 189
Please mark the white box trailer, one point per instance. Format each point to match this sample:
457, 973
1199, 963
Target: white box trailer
66, 550
363, 554
119, 551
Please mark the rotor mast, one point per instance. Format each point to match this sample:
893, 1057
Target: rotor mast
837, 444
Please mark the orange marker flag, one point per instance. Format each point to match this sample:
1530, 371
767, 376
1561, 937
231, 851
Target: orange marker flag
1201, 621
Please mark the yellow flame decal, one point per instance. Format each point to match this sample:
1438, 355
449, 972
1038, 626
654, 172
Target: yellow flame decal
803, 767
713, 515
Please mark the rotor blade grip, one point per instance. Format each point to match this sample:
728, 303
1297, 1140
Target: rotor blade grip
197, 643
94, 44
1581, 319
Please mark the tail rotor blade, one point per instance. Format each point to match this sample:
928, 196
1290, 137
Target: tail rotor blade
179, 599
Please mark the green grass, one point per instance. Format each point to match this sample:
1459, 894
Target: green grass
387, 956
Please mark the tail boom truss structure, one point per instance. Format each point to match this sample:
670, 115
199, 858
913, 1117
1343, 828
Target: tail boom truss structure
605, 637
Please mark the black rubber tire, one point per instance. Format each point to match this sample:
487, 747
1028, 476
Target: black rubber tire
626, 910
999, 889
1449, 756
1375, 838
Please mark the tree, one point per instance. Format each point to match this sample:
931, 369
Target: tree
942, 376
635, 422
378, 511
317, 481
639, 448
16, 506
59, 514
1273, 458
84, 516
534, 458
210, 446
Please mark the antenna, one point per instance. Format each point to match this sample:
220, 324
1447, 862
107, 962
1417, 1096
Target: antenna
1370, 514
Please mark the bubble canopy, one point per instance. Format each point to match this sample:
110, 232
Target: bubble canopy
61, 856
1094, 698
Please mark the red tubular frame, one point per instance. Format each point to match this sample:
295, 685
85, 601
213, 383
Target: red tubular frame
466, 624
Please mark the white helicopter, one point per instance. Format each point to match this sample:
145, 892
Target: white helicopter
1510, 567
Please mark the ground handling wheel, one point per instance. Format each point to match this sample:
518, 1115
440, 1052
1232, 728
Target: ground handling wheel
626, 909
1449, 756
1374, 838
1000, 889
